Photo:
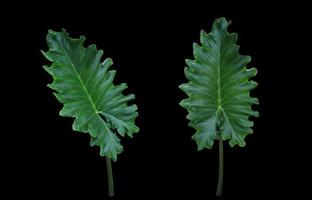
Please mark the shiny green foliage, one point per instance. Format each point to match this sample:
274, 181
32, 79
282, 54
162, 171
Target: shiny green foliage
219, 102
85, 86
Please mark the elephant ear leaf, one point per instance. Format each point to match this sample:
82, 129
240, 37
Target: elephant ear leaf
85, 86
219, 102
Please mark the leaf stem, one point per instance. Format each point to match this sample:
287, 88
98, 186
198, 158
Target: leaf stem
221, 164
110, 178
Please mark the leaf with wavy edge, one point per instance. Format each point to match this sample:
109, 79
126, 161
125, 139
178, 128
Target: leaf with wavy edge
218, 90
85, 86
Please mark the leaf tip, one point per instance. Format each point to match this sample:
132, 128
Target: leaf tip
188, 62
242, 143
248, 58
82, 38
50, 31
101, 52
137, 129
46, 55
223, 20
202, 33
256, 99
195, 45
48, 69
253, 71
181, 103
41, 51
108, 62
181, 86
65, 33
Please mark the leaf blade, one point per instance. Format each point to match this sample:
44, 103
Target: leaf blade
81, 82
219, 103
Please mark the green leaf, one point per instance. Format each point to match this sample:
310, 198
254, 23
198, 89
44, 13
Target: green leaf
85, 86
219, 103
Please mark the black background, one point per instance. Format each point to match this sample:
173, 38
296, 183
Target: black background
44, 158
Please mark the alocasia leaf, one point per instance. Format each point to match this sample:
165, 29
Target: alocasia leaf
85, 86
219, 103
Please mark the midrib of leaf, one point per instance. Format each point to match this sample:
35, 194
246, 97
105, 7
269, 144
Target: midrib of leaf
218, 73
219, 82
85, 89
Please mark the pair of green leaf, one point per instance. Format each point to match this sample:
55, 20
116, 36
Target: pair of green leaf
219, 103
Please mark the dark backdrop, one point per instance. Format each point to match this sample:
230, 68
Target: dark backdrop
148, 44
